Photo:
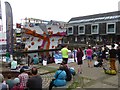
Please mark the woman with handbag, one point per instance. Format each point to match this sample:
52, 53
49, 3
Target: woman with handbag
59, 78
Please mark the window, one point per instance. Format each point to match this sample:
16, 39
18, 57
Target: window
94, 29
81, 30
110, 28
70, 30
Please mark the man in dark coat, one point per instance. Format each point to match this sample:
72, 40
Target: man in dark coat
112, 53
35, 82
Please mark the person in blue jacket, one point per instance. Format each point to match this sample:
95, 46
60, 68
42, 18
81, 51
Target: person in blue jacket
60, 78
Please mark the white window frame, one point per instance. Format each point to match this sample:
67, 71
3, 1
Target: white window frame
79, 29
68, 30
97, 28
114, 28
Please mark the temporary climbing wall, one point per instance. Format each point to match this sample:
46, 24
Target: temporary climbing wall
43, 35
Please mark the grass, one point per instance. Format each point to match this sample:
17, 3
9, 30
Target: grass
73, 85
78, 82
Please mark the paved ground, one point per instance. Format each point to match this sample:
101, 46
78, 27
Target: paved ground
91, 78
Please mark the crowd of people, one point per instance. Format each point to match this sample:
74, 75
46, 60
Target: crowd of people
99, 57
95, 56
34, 82
22, 82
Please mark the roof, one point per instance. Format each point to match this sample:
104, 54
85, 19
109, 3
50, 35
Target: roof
96, 17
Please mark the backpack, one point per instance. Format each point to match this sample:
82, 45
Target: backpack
72, 70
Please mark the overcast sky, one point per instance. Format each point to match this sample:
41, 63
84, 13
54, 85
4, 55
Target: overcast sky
61, 10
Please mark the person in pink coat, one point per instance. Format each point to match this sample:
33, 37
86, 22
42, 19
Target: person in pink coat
89, 53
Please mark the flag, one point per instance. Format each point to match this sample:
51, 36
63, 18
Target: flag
0, 11
9, 27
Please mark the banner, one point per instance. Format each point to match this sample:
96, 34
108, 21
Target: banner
0, 18
0, 11
9, 28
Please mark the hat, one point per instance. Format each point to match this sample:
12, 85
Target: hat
16, 80
72, 68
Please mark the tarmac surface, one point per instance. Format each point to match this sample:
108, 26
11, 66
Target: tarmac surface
91, 78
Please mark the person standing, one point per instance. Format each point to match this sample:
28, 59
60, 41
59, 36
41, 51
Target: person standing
79, 59
35, 82
113, 54
64, 52
74, 53
104, 56
89, 53
84, 52
118, 54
